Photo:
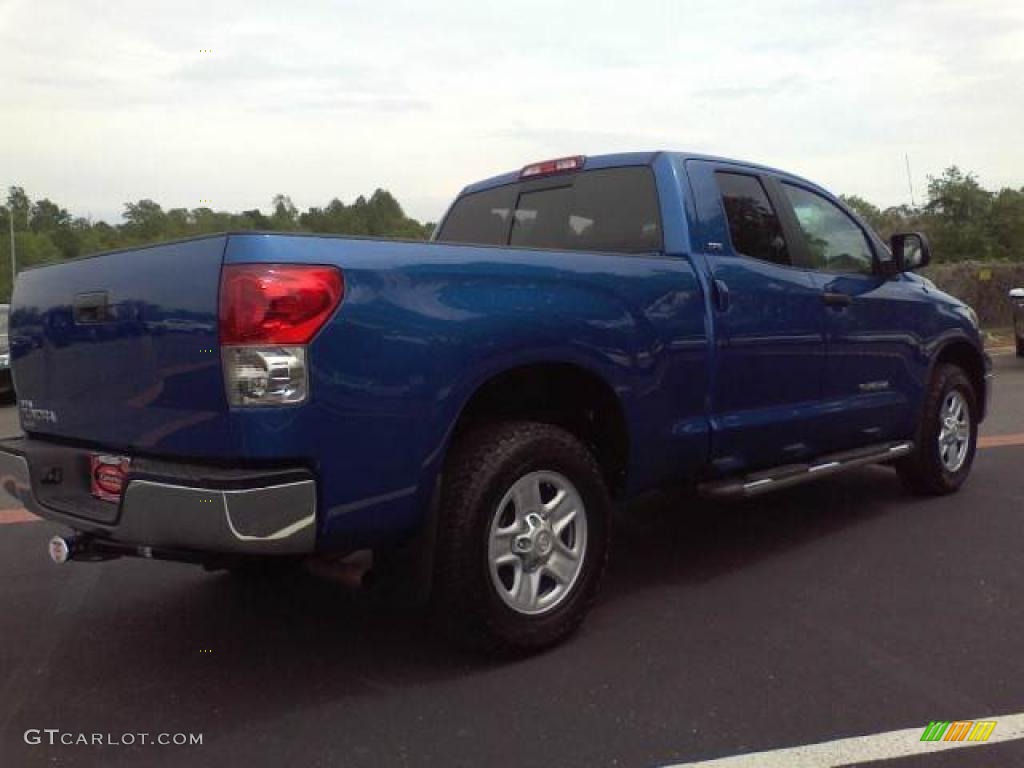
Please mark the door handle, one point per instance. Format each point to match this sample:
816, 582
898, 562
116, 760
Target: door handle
836, 300
720, 293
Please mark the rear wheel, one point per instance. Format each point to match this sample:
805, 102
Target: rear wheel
523, 537
1020, 346
947, 436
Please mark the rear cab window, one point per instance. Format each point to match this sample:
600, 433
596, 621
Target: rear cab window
482, 217
608, 209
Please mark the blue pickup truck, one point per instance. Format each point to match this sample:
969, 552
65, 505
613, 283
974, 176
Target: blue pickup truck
579, 332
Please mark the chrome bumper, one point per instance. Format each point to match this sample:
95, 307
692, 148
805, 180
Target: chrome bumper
278, 519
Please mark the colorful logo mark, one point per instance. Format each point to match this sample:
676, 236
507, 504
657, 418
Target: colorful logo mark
959, 730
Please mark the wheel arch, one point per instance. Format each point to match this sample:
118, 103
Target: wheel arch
561, 393
965, 355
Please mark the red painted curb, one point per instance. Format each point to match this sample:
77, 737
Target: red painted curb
18, 515
1001, 441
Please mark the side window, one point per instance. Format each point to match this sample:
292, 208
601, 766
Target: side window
835, 242
753, 225
615, 209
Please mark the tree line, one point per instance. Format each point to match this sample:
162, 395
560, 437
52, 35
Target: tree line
45, 232
962, 219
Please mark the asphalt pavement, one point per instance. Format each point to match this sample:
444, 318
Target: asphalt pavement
832, 610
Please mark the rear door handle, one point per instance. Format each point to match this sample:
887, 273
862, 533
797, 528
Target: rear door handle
837, 300
721, 295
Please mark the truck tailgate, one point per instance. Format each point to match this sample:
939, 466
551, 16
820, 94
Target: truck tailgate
120, 350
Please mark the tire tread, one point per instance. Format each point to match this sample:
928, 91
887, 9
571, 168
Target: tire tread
458, 603
922, 472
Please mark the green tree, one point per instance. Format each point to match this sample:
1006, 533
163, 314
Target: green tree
46, 232
145, 221
48, 217
255, 220
18, 202
1007, 217
179, 223
957, 217
285, 217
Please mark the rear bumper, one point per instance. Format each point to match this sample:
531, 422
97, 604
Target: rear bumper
168, 505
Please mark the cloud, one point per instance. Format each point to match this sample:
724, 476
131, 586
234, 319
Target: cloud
112, 101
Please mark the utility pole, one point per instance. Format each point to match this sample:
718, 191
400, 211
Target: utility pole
910, 184
14, 268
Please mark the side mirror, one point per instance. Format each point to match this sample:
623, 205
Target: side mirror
1017, 294
910, 251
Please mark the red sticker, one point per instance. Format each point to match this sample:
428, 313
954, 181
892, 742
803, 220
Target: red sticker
109, 474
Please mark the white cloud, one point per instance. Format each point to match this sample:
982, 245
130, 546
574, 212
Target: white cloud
105, 102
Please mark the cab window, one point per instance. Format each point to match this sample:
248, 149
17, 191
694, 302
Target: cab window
608, 209
835, 242
753, 224
481, 217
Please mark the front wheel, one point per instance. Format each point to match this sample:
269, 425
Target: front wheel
522, 538
947, 436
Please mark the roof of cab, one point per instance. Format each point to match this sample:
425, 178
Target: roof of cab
620, 159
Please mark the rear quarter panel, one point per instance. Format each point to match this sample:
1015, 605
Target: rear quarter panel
423, 325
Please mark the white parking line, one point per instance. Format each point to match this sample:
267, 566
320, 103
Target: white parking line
862, 749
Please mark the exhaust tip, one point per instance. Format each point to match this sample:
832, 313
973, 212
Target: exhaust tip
60, 549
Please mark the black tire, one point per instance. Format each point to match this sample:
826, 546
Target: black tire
923, 472
1020, 346
482, 468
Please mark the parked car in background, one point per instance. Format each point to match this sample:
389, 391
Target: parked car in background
6, 382
580, 332
1017, 299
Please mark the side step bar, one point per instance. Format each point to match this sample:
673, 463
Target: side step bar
793, 474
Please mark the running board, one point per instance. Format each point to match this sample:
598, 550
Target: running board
793, 474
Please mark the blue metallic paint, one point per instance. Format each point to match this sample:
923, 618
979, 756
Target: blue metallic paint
771, 333
423, 325
450, 318
149, 379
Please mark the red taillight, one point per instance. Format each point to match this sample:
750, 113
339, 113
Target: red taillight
548, 167
276, 303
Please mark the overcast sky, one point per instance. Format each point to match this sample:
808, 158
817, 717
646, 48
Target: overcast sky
105, 102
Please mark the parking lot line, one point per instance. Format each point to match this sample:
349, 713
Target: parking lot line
1000, 441
863, 749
